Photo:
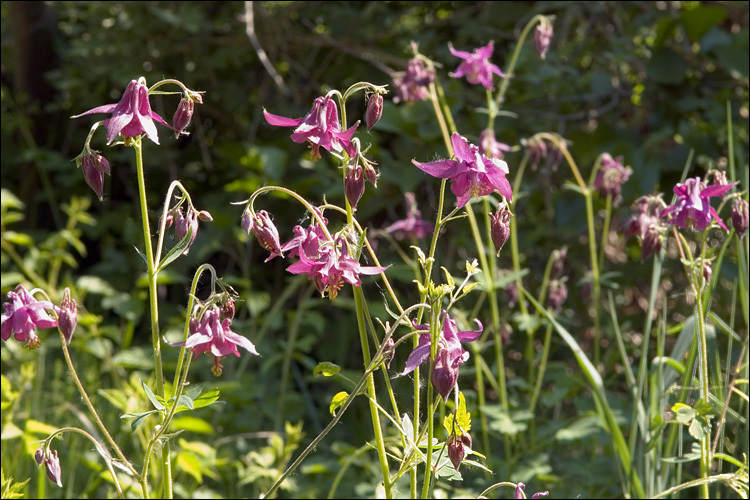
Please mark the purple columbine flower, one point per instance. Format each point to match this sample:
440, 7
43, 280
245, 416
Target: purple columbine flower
476, 67
374, 110
415, 83
450, 354
132, 116
320, 127
500, 227
611, 177
23, 314
647, 224
68, 316
212, 335
330, 266
542, 38
471, 173
692, 208
261, 225
413, 225
94, 166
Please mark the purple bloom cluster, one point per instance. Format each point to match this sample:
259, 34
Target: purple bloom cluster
415, 83
471, 173
647, 224
692, 208
213, 335
450, 353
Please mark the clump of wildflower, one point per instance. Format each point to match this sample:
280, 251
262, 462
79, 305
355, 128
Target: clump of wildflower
739, 216
476, 66
320, 127
692, 208
23, 314
132, 116
471, 173
415, 83
647, 224
611, 177
450, 354
490, 147
413, 225
543, 37
261, 225
51, 462
212, 335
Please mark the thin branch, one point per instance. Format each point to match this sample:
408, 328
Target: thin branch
250, 30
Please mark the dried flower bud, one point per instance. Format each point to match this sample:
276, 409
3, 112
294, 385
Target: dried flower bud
374, 110
500, 227
354, 184
182, 117
68, 316
740, 216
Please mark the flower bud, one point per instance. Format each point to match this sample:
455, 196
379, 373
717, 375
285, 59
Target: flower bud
500, 227
226, 311
94, 166
559, 262
52, 464
354, 183
182, 117
389, 352
739, 217
370, 173
444, 375
68, 317
558, 294
456, 451
205, 216
39, 455
542, 38
707, 271
374, 110
264, 230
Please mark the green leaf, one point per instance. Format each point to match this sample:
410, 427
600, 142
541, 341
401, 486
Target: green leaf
138, 418
683, 414
18, 238
193, 424
206, 398
697, 429
326, 369
579, 429
185, 403
176, 251
152, 397
463, 417
187, 462
698, 21
337, 401
448, 277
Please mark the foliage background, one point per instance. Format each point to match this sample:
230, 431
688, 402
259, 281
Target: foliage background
646, 80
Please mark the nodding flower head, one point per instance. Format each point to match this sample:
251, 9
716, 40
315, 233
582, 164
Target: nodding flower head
68, 317
413, 225
611, 177
51, 462
374, 110
132, 116
542, 38
471, 173
500, 227
739, 217
476, 66
414, 84
320, 127
647, 224
94, 166
490, 147
261, 225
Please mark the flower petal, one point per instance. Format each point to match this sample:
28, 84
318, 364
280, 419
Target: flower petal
442, 169
281, 121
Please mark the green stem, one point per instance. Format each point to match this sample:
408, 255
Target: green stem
434, 336
542, 368
154, 307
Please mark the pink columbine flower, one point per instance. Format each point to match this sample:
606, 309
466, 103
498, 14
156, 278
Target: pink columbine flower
542, 38
415, 83
490, 147
213, 336
51, 463
94, 166
330, 265
132, 116
692, 208
450, 354
23, 314
476, 67
320, 127
611, 177
413, 225
471, 173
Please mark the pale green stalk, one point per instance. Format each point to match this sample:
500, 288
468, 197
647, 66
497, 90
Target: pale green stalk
153, 306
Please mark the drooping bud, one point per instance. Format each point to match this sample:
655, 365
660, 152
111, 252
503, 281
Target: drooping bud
39, 455
389, 352
52, 464
354, 183
456, 451
264, 230
374, 110
500, 227
94, 166
707, 271
444, 375
370, 173
558, 294
68, 317
740, 216
182, 117
542, 38
185, 223
205, 216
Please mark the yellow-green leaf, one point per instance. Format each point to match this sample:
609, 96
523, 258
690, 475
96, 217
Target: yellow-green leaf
337, 401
